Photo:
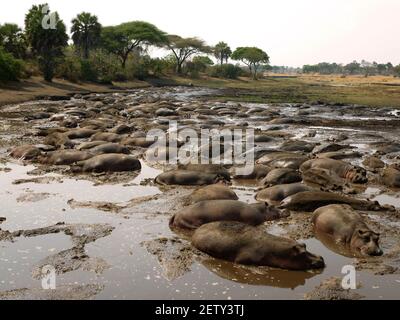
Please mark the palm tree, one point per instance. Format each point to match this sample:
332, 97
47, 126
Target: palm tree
85, 32
222, 52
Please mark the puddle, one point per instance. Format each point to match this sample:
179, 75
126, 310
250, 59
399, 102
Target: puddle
161, 270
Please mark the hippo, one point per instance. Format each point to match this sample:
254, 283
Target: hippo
373, 162
107, 136
80, 133
109, 148
391, 177
347, 226
213, 192
259, 172
341, 169
110, 162
59, 140
202, 212
339, 155
90, 145
277, 155
244, 244
328, 147
281, 176
207, 168
311, 200
65, 157
188, 178
25, 152
293, 145
137, 142
279, 192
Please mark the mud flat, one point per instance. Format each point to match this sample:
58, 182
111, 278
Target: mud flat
107, 233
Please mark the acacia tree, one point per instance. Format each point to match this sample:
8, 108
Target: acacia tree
184, 48
85, 32
128, 37
12, 39
222, 52
46, 44
252, 57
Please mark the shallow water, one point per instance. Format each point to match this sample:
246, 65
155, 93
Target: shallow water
134, 272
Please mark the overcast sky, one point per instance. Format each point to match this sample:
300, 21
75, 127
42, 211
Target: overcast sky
292, 32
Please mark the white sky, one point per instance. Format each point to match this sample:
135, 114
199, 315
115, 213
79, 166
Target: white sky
292, 32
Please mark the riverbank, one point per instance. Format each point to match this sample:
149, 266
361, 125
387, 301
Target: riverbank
377, 91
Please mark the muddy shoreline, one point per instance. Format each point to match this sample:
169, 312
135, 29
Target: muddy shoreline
107, 234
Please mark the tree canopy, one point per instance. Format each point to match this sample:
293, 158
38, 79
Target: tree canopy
86, 32
252, 57
123, 39
184, 48
12, 39
222, 52
47, 44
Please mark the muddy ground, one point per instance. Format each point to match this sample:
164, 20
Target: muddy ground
107, 235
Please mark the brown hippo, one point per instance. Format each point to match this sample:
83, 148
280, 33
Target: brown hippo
207, 168
279, 192
278, 155
244, 244
25, 152
188, 178
59, 140
110, 162
106, 136
311, 200
347, 226
80, 133
339, 168
259, 172
213, 192
137, 142
373, 162
90, 145
202, 212
281, 176
109, 148
391, 177
65, 157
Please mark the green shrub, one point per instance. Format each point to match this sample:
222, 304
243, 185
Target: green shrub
10, 68
70, 69
227, 71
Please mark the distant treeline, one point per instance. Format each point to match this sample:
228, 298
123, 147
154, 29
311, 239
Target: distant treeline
113, 53
354, 68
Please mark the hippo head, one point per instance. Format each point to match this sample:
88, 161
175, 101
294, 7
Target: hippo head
221, 179
357, 175
298, 258
366, 242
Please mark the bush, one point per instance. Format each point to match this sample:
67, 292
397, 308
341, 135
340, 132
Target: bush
70, 69
101, 67
227, 71
10, 68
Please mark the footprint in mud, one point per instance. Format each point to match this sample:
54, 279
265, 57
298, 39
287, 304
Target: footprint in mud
175, 256
33, 197
71, 292
71, 259
331, 289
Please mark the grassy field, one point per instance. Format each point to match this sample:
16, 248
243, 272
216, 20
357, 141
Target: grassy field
372, 91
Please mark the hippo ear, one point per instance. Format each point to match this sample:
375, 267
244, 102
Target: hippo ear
363, 233
300, 247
